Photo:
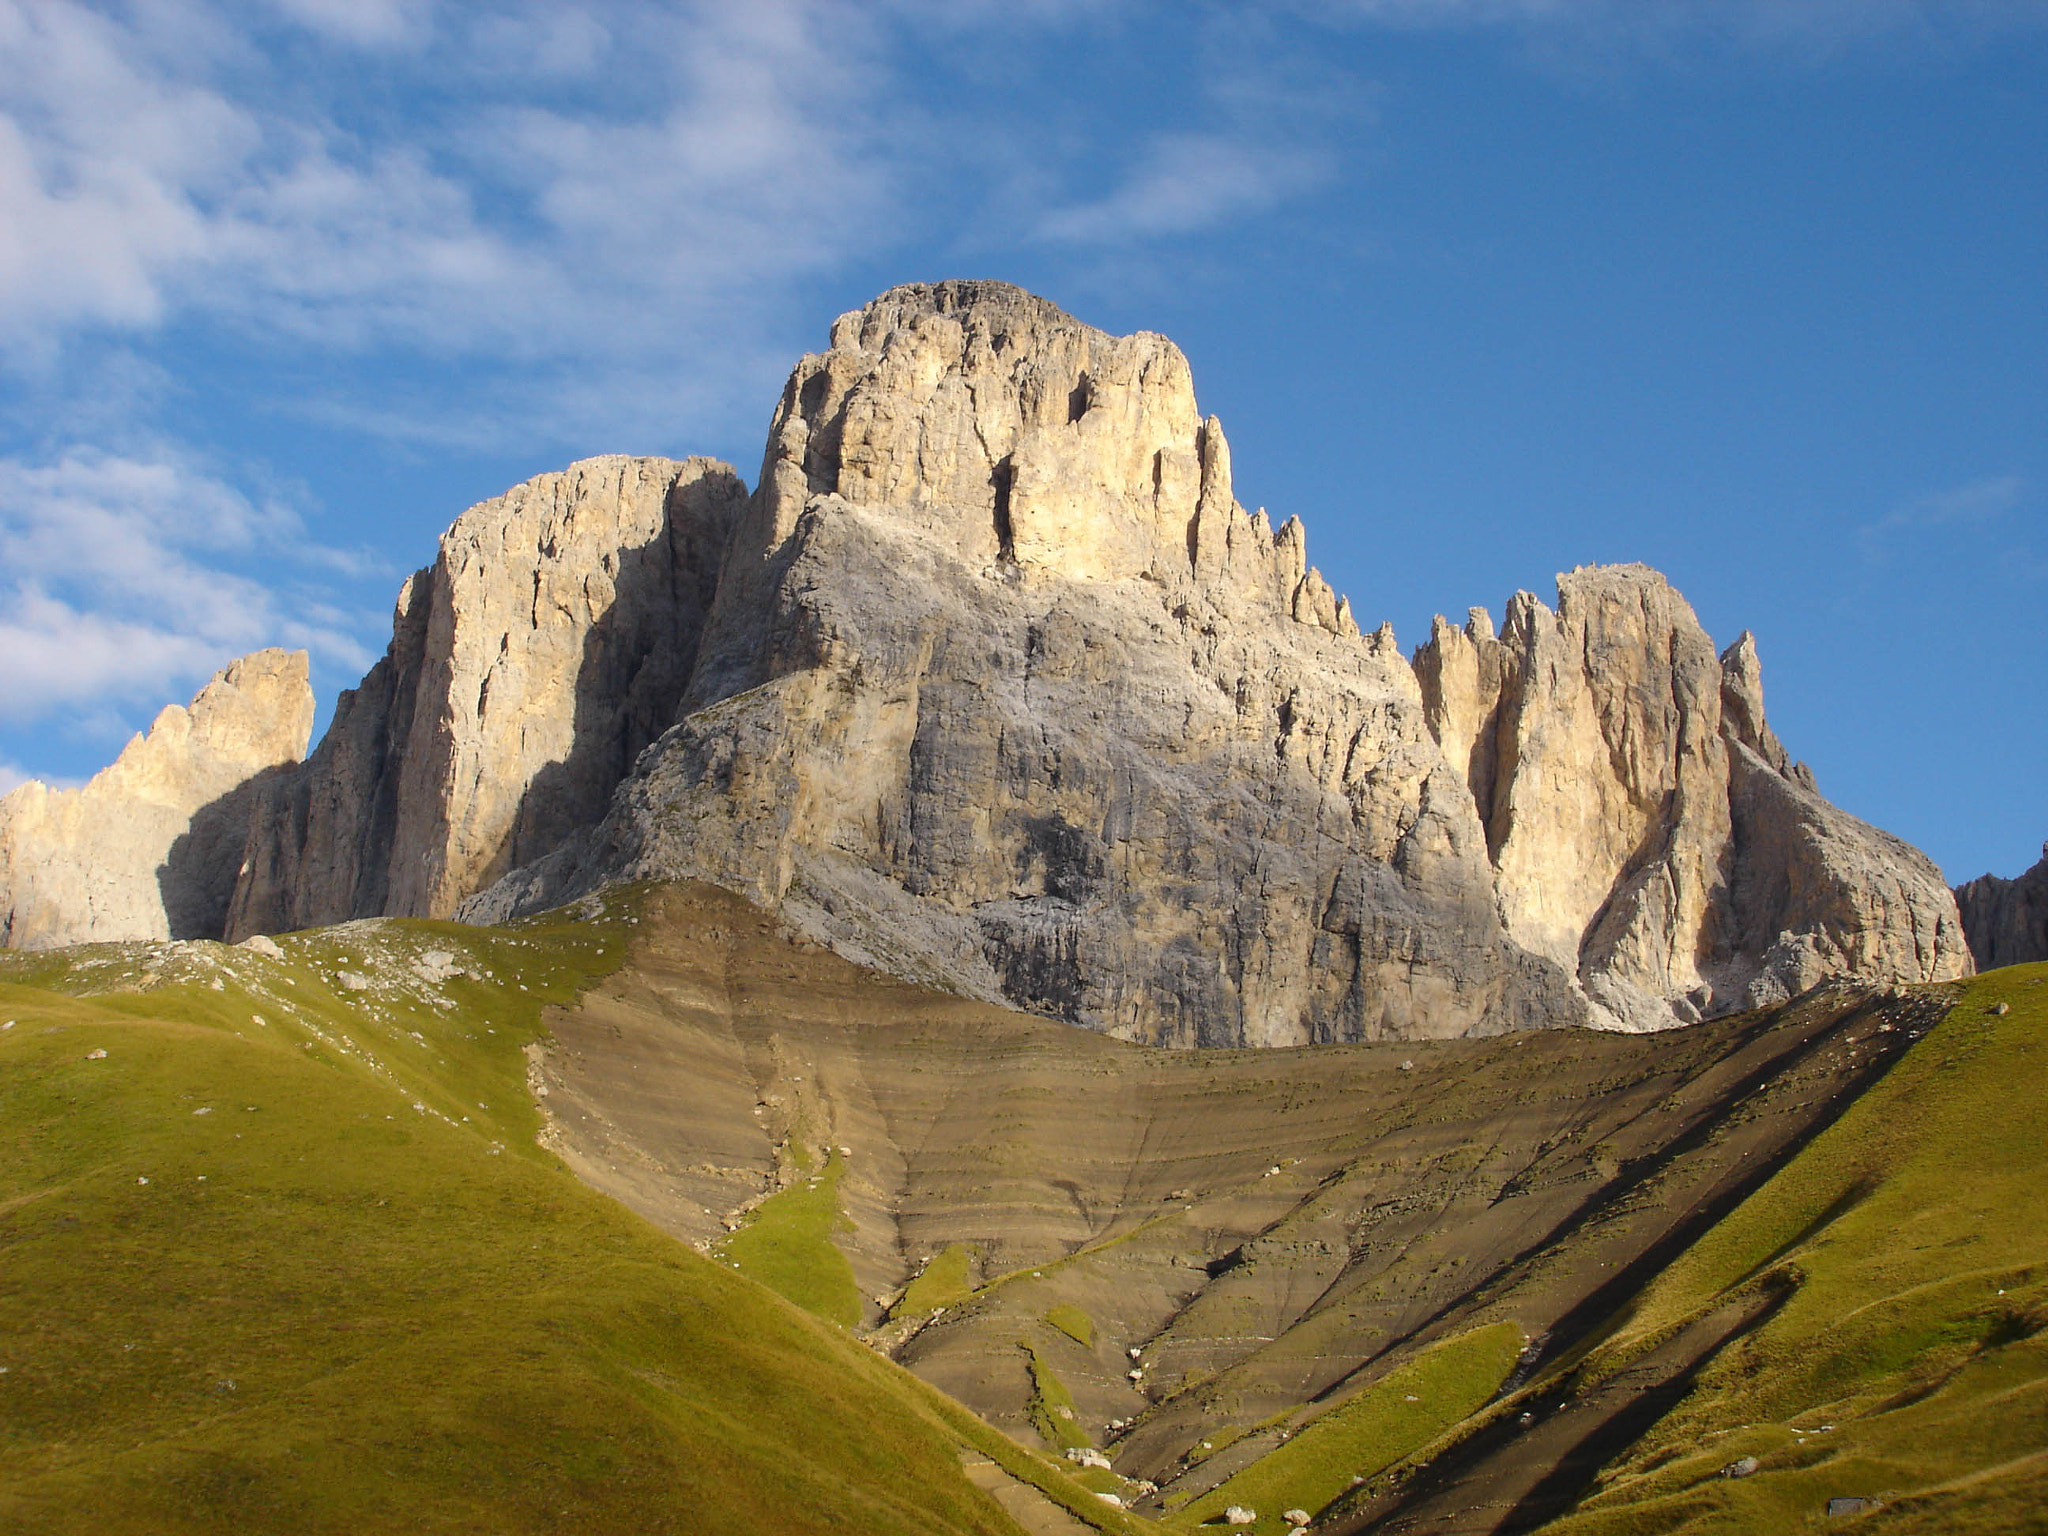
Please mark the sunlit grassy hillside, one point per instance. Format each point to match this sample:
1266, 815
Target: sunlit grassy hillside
1905, 1361
278, 1252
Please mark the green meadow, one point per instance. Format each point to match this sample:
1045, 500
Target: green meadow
278, 1251
1906, 1361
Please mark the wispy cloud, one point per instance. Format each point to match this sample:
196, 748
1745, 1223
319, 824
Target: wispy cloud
1181, 183
143, 177
1266, 128
364, 23
1980, 501
1608, 29
122, 585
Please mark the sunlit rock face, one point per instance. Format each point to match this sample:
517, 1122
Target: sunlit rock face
991, 682
1003, 689
548, 643
149, 848
1646, 827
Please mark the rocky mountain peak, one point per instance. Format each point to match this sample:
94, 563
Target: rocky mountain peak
991, 682
996, 426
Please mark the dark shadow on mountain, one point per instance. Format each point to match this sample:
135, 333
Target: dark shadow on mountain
198, 874
638, 659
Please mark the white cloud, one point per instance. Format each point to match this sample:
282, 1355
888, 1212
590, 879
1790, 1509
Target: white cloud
135, 183
1979, 501
1183, 183
120, 583
364, 23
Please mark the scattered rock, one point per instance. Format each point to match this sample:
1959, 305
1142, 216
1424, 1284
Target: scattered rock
1742, 1466
1295, 1517
97, 1054
1237, 1514
1111, 1499
1087, 1456
1852, 1506
2000, 1010
262, 944
352, 981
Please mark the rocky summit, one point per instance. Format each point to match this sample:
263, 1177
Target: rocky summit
992, 683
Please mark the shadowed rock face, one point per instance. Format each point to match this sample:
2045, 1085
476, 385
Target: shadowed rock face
2007, 920
149, 848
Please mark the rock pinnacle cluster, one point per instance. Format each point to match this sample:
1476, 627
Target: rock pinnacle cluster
991, 682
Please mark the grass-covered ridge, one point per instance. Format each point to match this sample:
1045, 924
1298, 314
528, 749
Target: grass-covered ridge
1367, 1433
278, 1252
1907, 1359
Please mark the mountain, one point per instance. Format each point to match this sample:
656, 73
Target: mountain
150, 847
2006, 921
991, 683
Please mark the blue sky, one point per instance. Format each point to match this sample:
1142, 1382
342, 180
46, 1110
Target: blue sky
1753, 290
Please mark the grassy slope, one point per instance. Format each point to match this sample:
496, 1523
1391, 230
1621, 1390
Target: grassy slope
1908, 1360
944, 1282
312, 1274
1074, 1323
786, 1244
1378, 1426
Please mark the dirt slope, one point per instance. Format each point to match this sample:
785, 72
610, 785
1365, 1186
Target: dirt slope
1193, 1254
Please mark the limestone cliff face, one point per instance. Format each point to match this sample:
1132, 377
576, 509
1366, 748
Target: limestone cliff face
549, 642
1004, 690
1647, 830
2007, 920
148, 849
993, 683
